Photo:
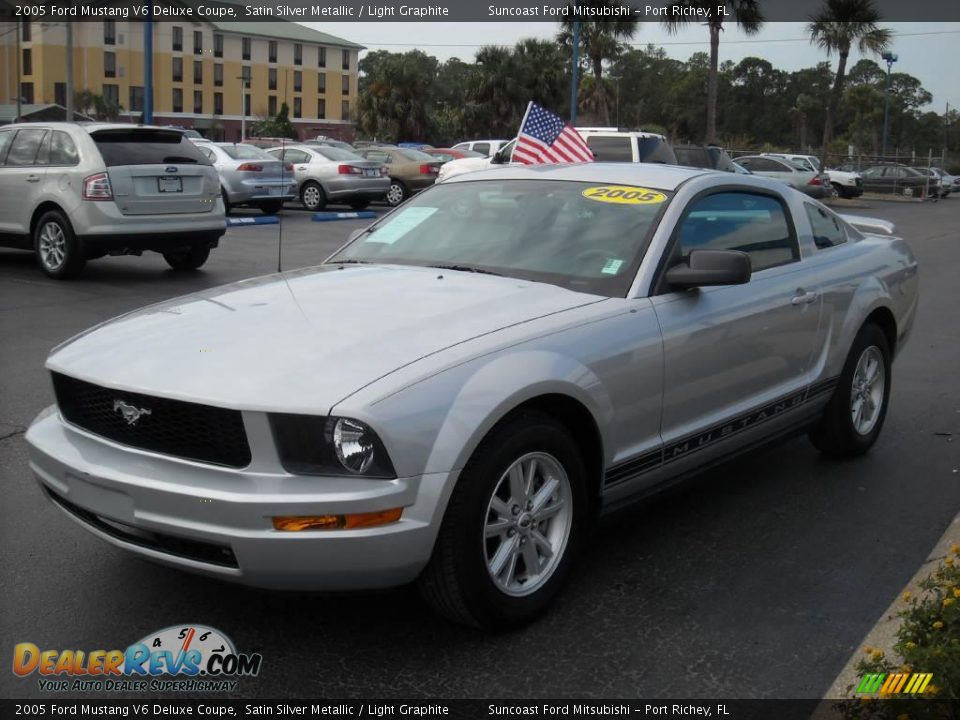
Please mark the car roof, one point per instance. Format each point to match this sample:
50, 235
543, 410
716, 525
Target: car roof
93, 126
664, 177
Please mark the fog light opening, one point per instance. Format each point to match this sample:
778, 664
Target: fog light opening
296, 523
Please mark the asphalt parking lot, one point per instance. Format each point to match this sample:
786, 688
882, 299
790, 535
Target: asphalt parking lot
757, 579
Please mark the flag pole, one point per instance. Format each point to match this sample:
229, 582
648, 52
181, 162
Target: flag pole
524, 120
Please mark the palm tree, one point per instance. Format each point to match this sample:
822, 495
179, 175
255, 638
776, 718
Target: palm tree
600, 40
746, 14
839, 26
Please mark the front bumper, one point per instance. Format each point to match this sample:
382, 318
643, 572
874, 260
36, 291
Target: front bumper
218, 521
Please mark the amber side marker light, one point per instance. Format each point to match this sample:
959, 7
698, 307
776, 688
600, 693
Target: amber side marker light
295, 523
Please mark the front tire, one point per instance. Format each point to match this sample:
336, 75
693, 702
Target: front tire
513, 527
190, 259
853, 418
57, 247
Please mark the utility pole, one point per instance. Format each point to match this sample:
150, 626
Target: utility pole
946, 128
69, 79
891, 58
575, 69
148, 67
18, 88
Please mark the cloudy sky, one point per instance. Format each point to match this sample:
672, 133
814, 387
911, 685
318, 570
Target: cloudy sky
926, 50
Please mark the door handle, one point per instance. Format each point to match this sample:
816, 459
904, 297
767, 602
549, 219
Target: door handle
33, 178
803, 297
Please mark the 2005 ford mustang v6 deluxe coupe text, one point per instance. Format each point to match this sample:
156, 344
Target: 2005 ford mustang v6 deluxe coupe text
458, 392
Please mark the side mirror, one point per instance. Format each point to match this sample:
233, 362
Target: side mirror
502, 156
710, 267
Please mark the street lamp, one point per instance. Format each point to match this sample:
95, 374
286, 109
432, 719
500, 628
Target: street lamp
891, 58
243, 105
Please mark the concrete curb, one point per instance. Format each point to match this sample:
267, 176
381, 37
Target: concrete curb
883, 633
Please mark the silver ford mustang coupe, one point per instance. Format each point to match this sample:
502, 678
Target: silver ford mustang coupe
455, 395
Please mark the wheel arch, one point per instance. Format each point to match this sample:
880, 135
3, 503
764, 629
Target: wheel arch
580, 423
45, 207
883, 317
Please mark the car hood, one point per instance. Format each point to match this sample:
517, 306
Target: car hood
301, 341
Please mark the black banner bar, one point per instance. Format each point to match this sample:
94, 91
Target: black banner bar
417, 709
526, 11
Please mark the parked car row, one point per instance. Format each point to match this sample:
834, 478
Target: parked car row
73, 192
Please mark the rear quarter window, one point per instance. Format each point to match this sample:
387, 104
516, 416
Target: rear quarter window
828, 230
611, 149
141, 146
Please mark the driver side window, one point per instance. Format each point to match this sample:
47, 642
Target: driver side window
754, 224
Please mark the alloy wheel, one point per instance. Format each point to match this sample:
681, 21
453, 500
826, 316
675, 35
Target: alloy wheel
867, 390
527, 523
53, 246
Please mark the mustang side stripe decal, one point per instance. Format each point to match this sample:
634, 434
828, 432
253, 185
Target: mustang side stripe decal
664, 455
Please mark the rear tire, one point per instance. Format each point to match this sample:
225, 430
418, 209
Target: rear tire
190, 259
506, 545
312, 196
853, 418
227, 207
271, 208
56, 246
396, 194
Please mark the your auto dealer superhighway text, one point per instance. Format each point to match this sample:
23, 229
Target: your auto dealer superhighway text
609, 709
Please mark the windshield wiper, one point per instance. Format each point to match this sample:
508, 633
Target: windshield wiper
467, 268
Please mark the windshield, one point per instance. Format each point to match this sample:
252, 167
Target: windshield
584, 236
245, 152
415, 155
332, 153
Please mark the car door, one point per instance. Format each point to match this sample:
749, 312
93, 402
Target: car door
300, 159
21, 182
736, 357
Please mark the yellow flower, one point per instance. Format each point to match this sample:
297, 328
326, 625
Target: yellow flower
868, 650
910, 645
956, 592
947, 602
955, 549
876, 654
938, 625
907, 596
948, 562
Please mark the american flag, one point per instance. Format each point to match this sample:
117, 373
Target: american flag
548, 138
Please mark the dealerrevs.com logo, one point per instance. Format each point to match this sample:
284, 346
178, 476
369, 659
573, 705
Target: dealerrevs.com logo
200, 658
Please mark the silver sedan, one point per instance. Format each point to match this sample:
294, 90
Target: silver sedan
330, 174
456, 394
803, 178
248, 176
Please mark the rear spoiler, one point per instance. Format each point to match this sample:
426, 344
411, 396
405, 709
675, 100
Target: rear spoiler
870, 225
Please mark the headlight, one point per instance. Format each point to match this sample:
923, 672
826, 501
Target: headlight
353, 443
310, 445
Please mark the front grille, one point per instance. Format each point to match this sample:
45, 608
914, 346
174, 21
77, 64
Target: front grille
172, 427
161, 542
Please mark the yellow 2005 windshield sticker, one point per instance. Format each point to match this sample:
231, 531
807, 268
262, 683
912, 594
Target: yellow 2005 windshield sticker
624, 195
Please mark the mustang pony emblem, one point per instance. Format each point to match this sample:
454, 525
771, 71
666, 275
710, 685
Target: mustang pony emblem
130, 413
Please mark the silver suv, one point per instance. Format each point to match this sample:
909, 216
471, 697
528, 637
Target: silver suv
72, 192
